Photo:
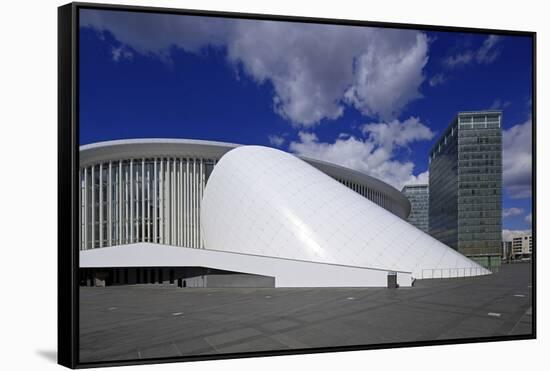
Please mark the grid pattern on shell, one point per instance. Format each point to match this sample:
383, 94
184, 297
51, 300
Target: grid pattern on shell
267, 202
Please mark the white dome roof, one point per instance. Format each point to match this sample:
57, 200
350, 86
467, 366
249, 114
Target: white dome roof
267, 202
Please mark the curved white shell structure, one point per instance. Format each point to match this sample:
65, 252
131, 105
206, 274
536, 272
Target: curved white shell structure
262, 201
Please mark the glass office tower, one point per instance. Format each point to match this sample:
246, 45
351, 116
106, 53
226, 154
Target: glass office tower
417, 194
465, 204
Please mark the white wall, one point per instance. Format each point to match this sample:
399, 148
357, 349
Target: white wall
264, 201
28, 117
287, 273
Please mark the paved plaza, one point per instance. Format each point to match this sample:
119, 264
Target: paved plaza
145, 321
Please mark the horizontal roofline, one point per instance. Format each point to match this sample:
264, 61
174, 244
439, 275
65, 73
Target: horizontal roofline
479, 112
448, 128
423, 185
107, 151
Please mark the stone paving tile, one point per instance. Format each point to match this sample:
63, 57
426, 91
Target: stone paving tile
231, 336
144, 321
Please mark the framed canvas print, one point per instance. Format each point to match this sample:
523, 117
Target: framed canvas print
236, 185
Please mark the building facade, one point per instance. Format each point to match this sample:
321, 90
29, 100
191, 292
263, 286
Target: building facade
211, 214
151, 190
522, 247
506, 251
418, 196
278, 205
465, 199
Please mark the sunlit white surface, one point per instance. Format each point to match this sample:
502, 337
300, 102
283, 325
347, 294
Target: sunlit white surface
287, 272
267, 202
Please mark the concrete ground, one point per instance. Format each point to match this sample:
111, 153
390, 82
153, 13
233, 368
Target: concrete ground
144, 321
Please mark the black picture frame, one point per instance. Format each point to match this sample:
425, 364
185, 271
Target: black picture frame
68, 165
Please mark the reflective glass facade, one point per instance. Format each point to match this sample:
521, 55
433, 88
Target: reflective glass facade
418, 196
465, 202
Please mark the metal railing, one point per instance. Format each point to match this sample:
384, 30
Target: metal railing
456, 272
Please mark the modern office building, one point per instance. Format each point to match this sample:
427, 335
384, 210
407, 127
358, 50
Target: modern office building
418, 196
217, 214
465, 205
507, 250
522, 247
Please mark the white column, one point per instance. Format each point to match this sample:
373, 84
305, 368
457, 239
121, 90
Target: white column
131, 201
178, 199
171, 191
186, 203
126, 206
198, 201
194, 188
85, 216
148, 203
191, 203
101, 205
188, 215
201, 188
161, 201
110, 206
168, 198
80, 208
142, 200
176, 203
172, 203
120, 198
175, 192
93, 208
155, 193
180, 203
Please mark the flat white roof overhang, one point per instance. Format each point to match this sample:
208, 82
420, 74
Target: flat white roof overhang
287, 272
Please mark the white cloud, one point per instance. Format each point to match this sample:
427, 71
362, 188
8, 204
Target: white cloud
121, 52
499, 105
315, 70
388, 75
276, 140
487, 53
156, 34
375, 154
397, 133
459, 59
512, 211
517, 160
529, 218
437, 79
508, 234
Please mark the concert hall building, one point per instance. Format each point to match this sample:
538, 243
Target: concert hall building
210, 214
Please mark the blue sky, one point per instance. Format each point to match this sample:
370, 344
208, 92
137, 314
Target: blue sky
370, 99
